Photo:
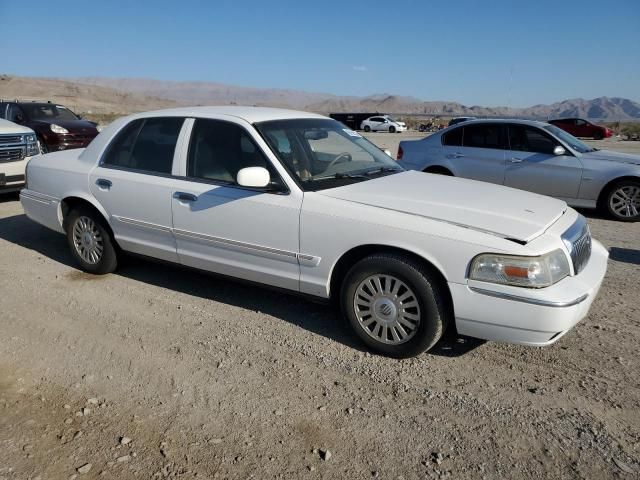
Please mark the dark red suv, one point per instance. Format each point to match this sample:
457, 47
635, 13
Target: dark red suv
57, 127
582, 128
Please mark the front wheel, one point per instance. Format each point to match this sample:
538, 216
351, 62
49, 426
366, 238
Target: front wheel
396, 307
623, 201
598, 136
90, 241
367, 128
392, 129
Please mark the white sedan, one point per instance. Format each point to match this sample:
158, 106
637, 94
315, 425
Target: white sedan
383, 123
297, 201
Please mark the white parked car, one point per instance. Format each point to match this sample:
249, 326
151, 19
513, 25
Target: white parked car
17, 145
382, 123
297, 201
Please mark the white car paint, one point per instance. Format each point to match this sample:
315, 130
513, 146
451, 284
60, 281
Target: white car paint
383, 123
295, 240
13, 155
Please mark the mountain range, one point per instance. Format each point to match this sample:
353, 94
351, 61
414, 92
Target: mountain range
124, 95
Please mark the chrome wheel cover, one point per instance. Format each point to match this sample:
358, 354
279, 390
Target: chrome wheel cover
87, 240
387, 309
625, 201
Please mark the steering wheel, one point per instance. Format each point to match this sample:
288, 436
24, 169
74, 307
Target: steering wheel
345, 155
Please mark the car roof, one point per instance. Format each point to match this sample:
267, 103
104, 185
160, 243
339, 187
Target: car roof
250, 114
504, 120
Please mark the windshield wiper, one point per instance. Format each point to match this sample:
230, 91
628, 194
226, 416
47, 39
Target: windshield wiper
338, 176
382, 170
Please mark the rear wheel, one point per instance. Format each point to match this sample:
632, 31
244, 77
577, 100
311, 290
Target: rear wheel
367, 128
90, 241
392, 129
394, 305
623, 201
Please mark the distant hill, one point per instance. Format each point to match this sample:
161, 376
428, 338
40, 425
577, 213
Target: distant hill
80, 97
124, 95
208, 93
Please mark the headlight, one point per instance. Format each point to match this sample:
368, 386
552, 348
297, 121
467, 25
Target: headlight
58, 129
32, 145
533, 272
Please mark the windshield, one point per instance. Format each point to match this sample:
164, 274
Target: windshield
48, 111
569, 139
322, 153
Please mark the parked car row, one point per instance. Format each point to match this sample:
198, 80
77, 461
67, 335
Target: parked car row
30, 128
56, 127
297, 201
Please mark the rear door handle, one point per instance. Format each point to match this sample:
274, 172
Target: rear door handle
103, 184
185, 197
515, 160
456, 155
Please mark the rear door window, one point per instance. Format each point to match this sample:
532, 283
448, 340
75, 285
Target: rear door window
484, 135
147, 145
453, 138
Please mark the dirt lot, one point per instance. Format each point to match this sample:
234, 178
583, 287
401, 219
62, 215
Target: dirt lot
209, 378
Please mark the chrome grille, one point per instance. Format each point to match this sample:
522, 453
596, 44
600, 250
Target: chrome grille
10, 140
578, 241
11, 155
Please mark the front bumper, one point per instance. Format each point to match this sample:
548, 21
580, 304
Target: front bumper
528, 316
67, 141
12, 175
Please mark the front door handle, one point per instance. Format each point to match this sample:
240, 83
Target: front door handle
515, 160
456, 155
185, 197
103, 184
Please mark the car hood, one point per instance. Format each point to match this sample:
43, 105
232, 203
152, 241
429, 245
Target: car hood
498, 210
609, 156
74, 126
9, 127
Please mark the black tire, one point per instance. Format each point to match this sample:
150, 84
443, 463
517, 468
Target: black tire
439, 171
428, 292
613, 201
367, 128
598, 135
392, 129
83, 222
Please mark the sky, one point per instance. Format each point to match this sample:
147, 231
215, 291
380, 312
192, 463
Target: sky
490, 52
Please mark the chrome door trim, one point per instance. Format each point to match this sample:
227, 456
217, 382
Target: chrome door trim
140, 223
284, 255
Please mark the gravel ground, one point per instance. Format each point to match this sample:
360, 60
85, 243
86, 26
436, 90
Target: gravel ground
158, 372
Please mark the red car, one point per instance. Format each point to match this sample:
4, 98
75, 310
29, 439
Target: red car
582, 128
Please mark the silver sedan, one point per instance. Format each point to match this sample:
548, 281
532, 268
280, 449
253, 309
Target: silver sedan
533, 156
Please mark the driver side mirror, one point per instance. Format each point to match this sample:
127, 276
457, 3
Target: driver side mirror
19, 118
558, 150
253, 177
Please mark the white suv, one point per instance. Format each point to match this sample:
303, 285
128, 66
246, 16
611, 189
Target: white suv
17, 145
383, 123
